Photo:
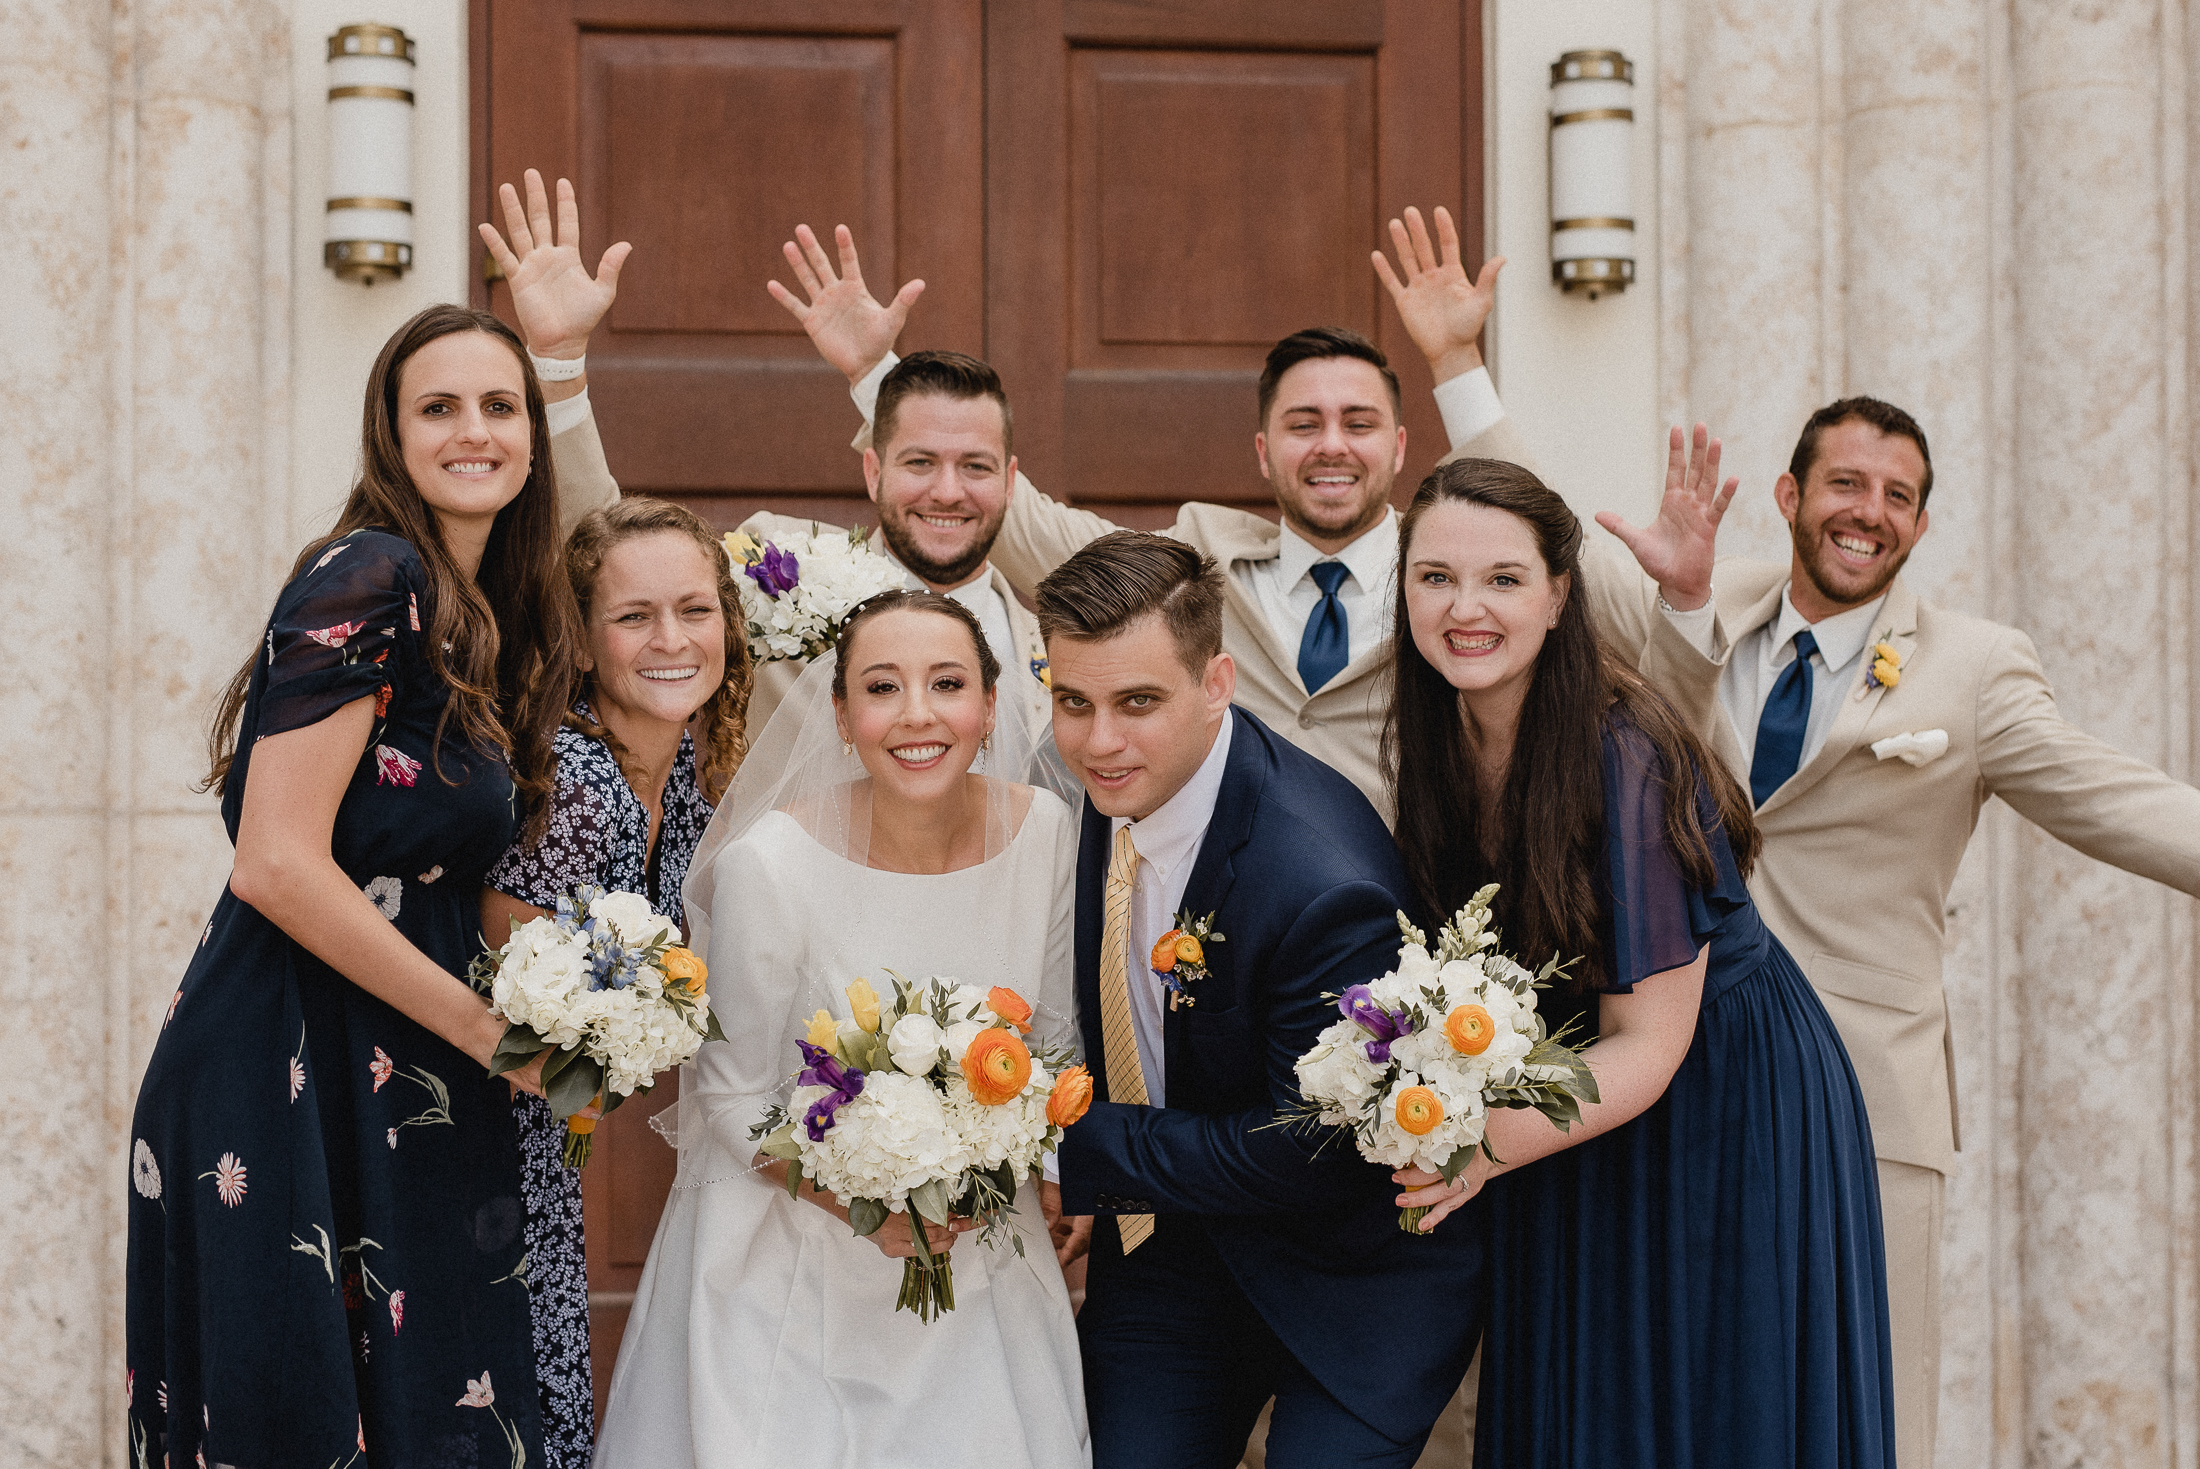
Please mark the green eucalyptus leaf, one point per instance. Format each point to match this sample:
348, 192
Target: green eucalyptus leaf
1457, 1163
865, 1216
558, 1061
794, 1178
930, 1200
575, 1085
712, 1030
782, 1145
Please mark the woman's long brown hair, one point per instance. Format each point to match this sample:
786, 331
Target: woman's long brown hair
721, 725
504, 638
1545, 838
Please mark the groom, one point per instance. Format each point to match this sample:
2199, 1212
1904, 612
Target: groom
1232, 1259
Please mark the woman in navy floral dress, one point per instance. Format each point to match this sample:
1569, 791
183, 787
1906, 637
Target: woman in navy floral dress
664, 670
326, 1253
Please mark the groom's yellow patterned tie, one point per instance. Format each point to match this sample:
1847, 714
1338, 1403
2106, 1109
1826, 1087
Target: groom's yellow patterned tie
1119, 1041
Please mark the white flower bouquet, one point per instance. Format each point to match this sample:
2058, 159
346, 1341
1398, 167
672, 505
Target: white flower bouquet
796, 594
931, 1104
605, 984
1422, 1053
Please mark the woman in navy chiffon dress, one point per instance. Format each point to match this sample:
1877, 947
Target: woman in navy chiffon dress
1695, 1276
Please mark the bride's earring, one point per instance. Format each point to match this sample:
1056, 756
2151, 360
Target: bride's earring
985, 741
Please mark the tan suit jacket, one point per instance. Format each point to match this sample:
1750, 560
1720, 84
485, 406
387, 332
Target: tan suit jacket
585, 483
1342, 723
1860, 852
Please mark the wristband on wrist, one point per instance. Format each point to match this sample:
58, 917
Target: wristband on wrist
559, 369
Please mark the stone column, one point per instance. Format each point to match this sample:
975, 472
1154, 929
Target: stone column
143, 331
2105, 963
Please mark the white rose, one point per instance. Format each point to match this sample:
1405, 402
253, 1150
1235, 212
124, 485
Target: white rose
630, 917
915, 1043
959, 1037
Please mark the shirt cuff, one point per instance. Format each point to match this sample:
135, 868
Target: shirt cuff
1700, 627
1469, 404
1050, 1168
566, 413
865, 391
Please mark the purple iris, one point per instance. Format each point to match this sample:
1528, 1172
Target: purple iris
1358, 1006
825, 1069
776, 573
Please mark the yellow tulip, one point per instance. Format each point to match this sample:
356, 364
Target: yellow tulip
825, 1032
863, 1004
742, 547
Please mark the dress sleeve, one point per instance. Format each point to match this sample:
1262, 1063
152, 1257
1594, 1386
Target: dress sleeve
577, 840
344, 629
1656, 919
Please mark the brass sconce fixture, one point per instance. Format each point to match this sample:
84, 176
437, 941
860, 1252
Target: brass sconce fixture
1592, 143
370, 117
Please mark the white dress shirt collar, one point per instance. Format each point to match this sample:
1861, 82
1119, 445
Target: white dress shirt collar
1839, 637
1370, 559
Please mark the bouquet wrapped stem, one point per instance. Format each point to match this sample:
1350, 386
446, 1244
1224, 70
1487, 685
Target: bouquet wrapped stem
580, 1135
927, 1279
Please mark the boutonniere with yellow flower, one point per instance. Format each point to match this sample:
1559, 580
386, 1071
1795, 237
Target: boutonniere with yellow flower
1180, 956
1886, 666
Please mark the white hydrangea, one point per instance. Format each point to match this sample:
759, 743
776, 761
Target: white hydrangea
895, 1137
1014, 1132
834, 572
1337, 1076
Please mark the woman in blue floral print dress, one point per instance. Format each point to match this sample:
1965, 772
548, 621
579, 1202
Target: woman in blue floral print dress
643, 756
326, 1251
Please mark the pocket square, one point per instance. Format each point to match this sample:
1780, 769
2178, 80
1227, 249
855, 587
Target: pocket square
1920, 748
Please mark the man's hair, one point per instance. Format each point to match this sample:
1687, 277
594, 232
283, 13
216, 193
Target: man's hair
938, 374
1317, 342
1127, 574
1885, 417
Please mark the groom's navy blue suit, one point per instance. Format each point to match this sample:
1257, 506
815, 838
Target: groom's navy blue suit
1273, 1267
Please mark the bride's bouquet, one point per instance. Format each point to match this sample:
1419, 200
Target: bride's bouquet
1422, 1053
932, 1103
796, 593
605, 985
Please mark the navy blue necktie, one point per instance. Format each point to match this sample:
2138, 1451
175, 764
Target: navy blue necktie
1326, 646
1780, 729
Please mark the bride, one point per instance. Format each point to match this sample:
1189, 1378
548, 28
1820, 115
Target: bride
856, 838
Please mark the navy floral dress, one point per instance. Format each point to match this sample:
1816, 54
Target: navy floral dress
597, 834
326, 1253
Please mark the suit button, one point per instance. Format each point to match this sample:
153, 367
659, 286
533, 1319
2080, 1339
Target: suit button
1307, 721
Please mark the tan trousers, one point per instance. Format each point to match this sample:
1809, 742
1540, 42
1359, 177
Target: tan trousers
1911, 1200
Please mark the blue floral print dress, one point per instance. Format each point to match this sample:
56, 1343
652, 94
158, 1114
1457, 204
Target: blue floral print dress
326, 1261
597, 834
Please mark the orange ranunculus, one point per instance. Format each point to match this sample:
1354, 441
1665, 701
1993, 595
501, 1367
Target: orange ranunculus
1419, 1111
1470, 1030
1072, 1096
684, 967
1011, 1007
1164, 951
1188, 950
997, 1066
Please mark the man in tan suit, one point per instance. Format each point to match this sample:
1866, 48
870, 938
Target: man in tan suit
941, 481
1871, 726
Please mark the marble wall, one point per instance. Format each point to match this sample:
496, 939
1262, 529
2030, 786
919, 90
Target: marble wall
1979, 208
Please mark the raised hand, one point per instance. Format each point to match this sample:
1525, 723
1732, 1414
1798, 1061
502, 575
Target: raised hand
850, 329
558, 302
1679, 546
1443, 308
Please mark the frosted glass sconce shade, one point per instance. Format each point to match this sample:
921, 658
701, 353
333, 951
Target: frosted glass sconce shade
370, 117
1592, 146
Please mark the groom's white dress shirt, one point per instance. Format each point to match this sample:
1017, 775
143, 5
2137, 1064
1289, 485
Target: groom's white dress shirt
1168, 843
1764, 653
1285, 588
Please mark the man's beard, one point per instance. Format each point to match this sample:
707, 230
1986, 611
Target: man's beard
1371, 515
932, 572
1810, 545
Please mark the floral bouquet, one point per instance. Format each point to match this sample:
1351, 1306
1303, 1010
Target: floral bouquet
933, 1104
604, 984
796, 595
1425, 1051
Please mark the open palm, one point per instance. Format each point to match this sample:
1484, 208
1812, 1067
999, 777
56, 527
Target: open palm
557, 300
850, 328
1678, 547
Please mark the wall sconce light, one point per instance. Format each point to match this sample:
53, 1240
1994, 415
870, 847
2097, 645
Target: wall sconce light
1592, 143
370, 117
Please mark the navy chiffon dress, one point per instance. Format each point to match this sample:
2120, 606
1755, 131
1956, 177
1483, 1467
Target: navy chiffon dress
597, 833
1706, 1285
327, 1254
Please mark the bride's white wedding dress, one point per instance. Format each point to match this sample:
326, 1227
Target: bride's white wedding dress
763, 1332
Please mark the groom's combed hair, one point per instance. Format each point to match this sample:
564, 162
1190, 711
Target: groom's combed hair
938, 375
1126, 575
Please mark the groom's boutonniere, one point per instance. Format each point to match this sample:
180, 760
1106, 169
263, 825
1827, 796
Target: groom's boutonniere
1886, 669
1180, 956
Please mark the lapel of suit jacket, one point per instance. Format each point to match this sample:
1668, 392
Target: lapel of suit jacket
1092, 879
1757, 614
1251, 539
1030, 652
1214, 869
1898, 620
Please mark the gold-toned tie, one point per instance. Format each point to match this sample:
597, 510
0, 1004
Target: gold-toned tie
1118, 1038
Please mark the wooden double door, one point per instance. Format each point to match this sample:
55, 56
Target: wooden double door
1122, 204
